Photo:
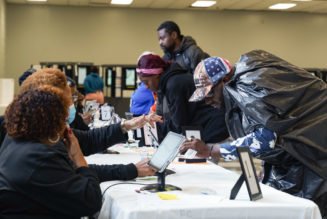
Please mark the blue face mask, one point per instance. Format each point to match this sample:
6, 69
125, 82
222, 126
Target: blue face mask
71, 113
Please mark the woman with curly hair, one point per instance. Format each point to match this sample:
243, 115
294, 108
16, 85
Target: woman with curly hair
95, 140
36, 178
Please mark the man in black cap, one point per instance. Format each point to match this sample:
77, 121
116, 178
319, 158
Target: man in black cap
179, 48
279, 111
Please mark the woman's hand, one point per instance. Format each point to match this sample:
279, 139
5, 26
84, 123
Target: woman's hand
86, 117
151, 118
73, 148
143, 169
139, 122
135, 123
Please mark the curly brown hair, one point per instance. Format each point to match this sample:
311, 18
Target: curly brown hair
37, 114
46, 76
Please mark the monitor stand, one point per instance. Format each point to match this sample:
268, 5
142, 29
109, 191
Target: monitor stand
236, 188
161, 185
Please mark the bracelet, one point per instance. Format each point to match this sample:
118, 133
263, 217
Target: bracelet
211, 150
122, 126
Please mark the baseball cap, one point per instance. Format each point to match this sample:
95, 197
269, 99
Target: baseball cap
150, 64
207, 74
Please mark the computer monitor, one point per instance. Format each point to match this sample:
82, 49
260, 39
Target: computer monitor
314, 73
81, 74
129, 78
324, 75
167, 151
109, 77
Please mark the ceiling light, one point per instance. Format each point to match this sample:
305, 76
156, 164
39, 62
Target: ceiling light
37, 0
204, 4
121, 2
282, 6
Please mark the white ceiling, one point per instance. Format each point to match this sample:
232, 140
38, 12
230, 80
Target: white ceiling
314, 6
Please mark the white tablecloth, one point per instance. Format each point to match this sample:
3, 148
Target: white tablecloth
205, 194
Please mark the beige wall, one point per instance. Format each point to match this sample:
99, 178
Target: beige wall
118, 36
2, 37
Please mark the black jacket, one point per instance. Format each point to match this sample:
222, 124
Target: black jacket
97, 140
267, 91
91, 141
79, 123
36, 179
188, 55
175, 88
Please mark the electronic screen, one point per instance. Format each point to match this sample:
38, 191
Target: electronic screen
167, 151
109, 77
130, 78
324, 76
313, 73
82, 71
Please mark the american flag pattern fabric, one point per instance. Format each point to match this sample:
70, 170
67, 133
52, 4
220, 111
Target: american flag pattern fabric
259, 141
209, 72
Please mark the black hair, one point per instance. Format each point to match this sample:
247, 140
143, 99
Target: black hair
94, 69
27, 73
70, 82
170, 27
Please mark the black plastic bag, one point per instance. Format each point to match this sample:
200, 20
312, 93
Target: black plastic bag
267, 91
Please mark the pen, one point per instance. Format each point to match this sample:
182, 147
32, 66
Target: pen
141, 191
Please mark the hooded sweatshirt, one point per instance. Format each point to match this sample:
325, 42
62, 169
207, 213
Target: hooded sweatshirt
175, 88
188, 55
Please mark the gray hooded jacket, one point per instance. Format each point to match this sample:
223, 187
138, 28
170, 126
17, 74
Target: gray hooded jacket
188, 55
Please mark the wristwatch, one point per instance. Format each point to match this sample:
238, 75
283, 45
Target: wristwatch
122, 126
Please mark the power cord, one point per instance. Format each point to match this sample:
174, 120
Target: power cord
142, 184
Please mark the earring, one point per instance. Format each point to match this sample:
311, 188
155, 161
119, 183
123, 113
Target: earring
54, 141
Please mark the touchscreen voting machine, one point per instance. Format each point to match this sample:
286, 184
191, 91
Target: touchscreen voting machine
167, 151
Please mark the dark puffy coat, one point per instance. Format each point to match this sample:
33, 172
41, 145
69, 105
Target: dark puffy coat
79, 123
267, 91
175, 88
98, 140
41, 180
35, 179
188, 55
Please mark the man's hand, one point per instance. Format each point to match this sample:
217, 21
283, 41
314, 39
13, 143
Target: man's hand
143, 169
203, 151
